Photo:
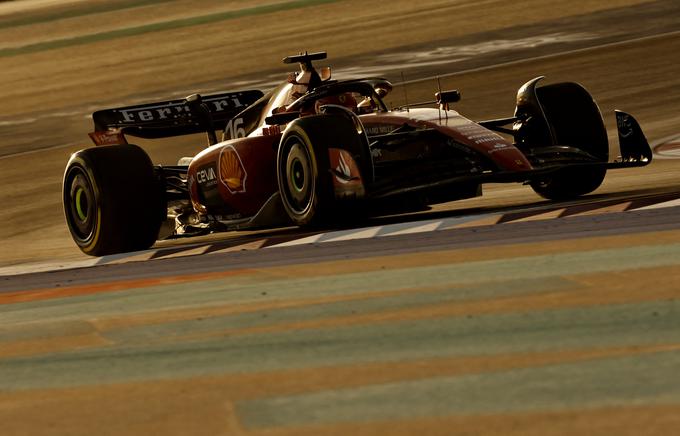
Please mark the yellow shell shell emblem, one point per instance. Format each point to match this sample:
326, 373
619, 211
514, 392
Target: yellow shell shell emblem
232, 172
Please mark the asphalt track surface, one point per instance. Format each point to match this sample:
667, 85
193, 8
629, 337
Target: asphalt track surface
500, 315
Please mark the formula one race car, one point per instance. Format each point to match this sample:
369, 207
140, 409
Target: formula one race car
314, 149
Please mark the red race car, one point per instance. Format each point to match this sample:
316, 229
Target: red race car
313, 149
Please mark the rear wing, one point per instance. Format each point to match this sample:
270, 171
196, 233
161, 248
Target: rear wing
168, 118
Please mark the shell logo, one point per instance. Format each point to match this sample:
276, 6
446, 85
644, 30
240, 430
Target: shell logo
232, 172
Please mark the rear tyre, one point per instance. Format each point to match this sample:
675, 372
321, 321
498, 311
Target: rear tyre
113, 202
576, 121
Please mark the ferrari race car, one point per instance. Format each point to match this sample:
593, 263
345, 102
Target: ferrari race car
314, 149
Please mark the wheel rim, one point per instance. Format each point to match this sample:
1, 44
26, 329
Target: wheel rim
299, 180
80, 204
298, 175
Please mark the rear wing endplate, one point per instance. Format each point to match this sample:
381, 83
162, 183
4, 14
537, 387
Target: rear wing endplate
171, 118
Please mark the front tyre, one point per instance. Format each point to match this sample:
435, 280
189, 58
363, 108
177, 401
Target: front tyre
569, 183
112, 200
575, 121
303, 178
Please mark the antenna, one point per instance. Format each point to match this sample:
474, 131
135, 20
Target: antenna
442, 105
439, 107
403, 84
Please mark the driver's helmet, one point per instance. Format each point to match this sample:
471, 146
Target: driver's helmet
366, 106
304, 81
345, 99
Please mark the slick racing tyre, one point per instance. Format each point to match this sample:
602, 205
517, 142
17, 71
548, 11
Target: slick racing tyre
112, 200
576, 121
303, 177
303, 169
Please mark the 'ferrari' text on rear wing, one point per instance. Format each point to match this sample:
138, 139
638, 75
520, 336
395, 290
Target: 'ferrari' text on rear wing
174, 117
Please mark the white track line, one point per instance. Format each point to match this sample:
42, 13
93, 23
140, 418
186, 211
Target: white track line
364, 233
427, 227
308, 240
671, 203
342, 235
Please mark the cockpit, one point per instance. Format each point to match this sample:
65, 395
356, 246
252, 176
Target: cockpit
306, 91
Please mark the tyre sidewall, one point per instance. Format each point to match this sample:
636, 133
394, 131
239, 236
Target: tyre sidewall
316, 176
575, 120
127, 195
79, 163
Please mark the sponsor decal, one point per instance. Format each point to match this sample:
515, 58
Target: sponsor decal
343, 168
271, 130
470, 128
233, 174
175, 110
624, 125
206, 176
108, 137
346, 176
479, 135
380, 129
498, 147
484, 137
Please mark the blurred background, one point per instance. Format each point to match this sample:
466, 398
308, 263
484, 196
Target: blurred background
62, 60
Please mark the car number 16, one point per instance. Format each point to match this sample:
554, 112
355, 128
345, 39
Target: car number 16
234, 129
